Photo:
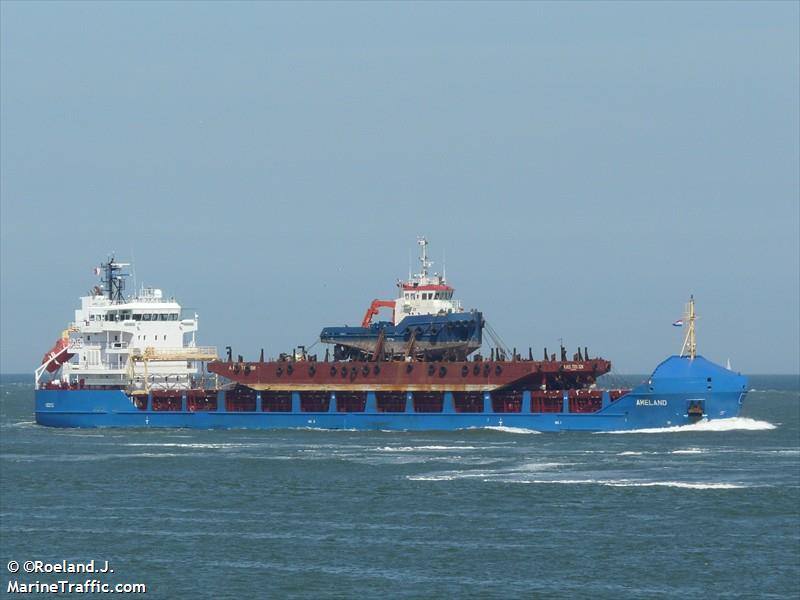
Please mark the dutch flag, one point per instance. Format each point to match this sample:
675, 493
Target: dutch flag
678, 323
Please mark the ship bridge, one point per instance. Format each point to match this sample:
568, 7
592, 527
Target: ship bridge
112, 331
423, 293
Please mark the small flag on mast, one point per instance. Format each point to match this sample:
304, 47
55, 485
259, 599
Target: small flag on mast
678, 323
97, 270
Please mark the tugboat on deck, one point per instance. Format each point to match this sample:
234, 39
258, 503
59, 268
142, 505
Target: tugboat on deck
426, 323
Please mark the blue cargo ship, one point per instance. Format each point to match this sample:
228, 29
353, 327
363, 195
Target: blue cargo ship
134, 362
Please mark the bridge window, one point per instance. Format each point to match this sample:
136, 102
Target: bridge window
173, 317
146, 317
164, 317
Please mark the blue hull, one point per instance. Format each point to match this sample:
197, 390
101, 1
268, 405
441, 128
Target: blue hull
675, 389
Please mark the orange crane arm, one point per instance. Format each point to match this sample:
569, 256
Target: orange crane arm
374, 308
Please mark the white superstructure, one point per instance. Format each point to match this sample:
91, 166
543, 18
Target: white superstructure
142, 342
425, 293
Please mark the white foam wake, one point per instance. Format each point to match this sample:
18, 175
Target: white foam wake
219, 446
426, 448
732, 424
687, 485
675, 484
449, 476
505, 429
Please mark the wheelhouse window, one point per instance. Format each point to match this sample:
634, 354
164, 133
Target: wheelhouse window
146, 317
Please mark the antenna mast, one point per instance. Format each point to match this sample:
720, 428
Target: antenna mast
424, 258
689, 342
113, 279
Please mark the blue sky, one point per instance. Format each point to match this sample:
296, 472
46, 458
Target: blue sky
584, 166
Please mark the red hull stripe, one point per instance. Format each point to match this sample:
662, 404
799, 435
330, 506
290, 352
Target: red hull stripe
427, 288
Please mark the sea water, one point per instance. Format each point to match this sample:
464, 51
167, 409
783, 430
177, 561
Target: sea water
706, 510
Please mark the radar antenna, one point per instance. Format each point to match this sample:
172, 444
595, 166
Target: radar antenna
114, 279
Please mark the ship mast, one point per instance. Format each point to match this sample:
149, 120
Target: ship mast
426, 264
113, 279
689, 342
